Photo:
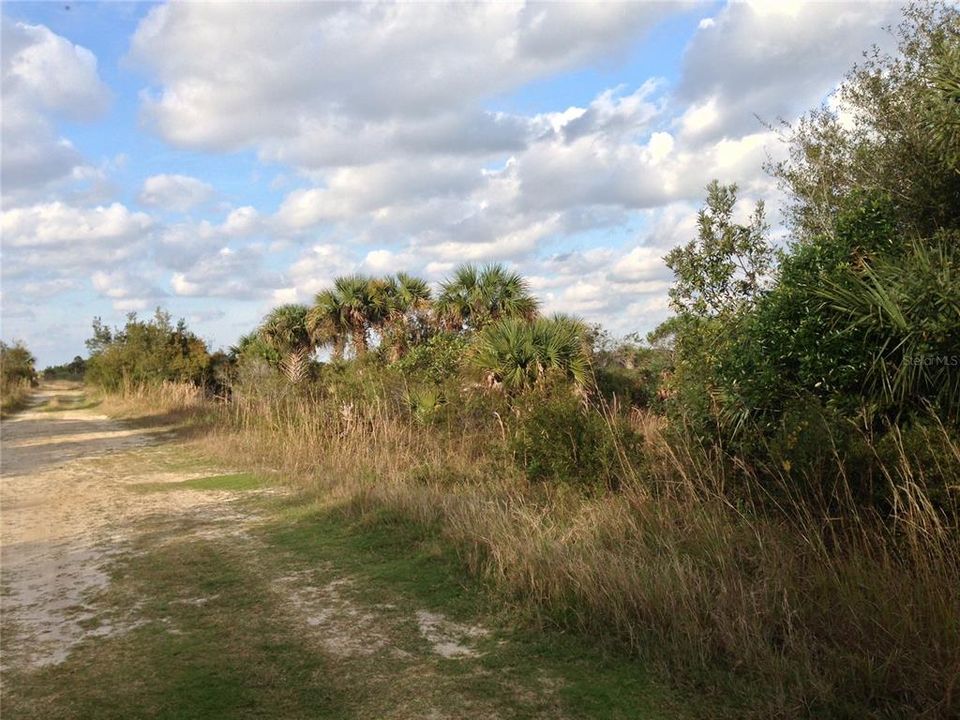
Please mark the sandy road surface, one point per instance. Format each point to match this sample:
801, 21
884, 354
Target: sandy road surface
64, 512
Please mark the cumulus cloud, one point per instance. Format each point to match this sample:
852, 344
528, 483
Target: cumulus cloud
178, 193
44, 76
128, 291
772, 60
383, 79
237, 274
63, 238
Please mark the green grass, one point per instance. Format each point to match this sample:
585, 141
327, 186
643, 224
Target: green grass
230, 657
407, 566
233, 482
213, 637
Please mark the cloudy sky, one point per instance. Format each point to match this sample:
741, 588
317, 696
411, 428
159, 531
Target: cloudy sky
218, 159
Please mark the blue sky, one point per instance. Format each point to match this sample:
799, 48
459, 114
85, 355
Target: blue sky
219, 159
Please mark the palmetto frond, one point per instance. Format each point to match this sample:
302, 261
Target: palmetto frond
327, 323
907, 308
518, 353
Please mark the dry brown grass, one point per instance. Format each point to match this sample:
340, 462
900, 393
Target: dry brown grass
13, 396
795, 612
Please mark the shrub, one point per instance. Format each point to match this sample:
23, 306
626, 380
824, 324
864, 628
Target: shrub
146, 353
516, 354
17, 364
557, 438
437, 359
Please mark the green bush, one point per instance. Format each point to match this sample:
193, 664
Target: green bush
17, 364
437, 359
146, 353
557, 438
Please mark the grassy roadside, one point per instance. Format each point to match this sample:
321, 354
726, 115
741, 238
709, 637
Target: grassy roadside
309, 609
525, 670
14, 397
766, 617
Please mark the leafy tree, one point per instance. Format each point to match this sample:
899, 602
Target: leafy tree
437, 359
722, 271
719, 276
897, 135
476, 296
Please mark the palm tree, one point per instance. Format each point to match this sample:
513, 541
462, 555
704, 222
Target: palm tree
518, 354
252, 345
408, 299
284, 328
364, 302
327, 322
475, 297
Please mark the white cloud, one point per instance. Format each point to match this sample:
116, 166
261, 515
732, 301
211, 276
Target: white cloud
241, 221
773, 60
237, 274
128, 290
43, 76
74, 231
383, 79
316, 268
178, 193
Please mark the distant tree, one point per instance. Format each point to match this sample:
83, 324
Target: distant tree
73, 370
146, 352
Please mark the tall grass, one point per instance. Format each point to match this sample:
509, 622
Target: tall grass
792, 609
13, 395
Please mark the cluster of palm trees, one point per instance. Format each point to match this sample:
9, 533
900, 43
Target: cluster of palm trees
513, 345
395, 307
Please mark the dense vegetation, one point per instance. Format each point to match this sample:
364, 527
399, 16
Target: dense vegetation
73, 370
17, 375
763, 495
146, 352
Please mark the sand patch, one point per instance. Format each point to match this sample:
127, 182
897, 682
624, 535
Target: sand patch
447, 638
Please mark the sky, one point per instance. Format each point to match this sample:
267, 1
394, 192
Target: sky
219, 159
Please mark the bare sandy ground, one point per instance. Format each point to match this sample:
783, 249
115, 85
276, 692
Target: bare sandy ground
64, 513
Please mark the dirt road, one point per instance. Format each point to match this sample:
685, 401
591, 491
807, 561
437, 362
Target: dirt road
66, 511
